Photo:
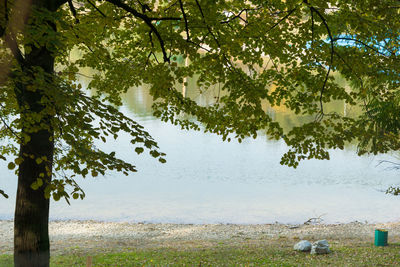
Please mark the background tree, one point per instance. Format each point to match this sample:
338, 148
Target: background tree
247, 47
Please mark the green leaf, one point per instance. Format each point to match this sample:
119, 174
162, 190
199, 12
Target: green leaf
56, 196
3, 194
11, 165
37, 184
139, 150
18, 160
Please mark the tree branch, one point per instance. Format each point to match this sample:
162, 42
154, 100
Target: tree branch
73, 10
96, 8
13, 45
312, 9
58, 3
238, 16
146, 20
185, 19
205, 22
364, 44
8, 126
282, 19
10, 39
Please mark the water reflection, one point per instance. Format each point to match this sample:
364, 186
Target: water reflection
139, 103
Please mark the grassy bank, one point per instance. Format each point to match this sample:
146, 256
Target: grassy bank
224, 254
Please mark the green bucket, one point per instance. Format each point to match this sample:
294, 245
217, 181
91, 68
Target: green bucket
381, 237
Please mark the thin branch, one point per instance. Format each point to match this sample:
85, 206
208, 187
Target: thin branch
199, 46
228, 62
145, 7
173, 4
96, 8
350, 68
185, 19
78, 73
164, 18
8, 126
73, 11
155, 57
364, 44
312, 9
146, 20
282, 19
58, 3
151, 39
205, 22
238, 16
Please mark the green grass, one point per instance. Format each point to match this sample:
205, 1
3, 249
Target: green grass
225, 255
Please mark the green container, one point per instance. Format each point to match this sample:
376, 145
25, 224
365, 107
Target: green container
381, 237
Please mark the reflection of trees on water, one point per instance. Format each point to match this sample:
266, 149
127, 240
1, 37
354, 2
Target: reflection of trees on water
139, 101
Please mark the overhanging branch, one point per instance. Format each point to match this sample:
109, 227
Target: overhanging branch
185, 19
312, 9
148, 21
96, 8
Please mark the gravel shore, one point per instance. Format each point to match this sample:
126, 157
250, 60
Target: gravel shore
94, 236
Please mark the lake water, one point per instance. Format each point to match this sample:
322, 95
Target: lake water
206, 180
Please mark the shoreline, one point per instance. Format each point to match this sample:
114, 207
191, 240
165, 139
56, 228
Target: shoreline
96, 236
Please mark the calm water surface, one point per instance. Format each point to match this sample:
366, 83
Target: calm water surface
209, 181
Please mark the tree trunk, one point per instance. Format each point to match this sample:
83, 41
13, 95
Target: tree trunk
31, 235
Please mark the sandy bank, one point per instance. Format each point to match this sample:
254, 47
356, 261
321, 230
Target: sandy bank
106, 236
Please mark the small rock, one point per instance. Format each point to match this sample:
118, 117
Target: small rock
303, 245
320, 247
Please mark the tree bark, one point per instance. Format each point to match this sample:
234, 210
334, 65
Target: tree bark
31, 235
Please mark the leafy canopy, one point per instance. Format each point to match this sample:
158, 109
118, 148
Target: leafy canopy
277, 53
